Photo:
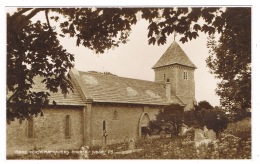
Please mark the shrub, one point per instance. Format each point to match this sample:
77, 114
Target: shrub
168, 121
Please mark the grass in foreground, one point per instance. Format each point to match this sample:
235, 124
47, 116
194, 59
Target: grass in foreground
234, 143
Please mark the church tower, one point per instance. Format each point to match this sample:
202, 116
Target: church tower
176, 68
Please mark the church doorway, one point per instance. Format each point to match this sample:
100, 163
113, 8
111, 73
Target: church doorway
143, 125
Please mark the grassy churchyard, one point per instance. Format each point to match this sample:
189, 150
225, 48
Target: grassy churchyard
233, 143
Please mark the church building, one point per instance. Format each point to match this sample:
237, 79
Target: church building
105, 108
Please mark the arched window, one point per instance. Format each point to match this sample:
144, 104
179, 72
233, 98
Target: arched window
67, 127
104, 125
115, 115
30, 128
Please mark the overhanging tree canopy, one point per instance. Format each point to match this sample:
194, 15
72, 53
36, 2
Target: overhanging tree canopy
33, 47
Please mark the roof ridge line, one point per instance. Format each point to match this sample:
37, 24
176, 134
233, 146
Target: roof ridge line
75, 76
119, 77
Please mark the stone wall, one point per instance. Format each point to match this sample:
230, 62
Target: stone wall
164, 73
185, 88
120, 129
182, 88
49, 131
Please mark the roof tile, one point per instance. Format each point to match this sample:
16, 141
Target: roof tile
72, 98
174, 55
115, 89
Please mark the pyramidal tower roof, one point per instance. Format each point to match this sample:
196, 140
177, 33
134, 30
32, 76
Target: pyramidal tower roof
174, 55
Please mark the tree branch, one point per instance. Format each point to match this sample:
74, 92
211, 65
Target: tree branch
48, 22
10, 98
21, 12
34, 12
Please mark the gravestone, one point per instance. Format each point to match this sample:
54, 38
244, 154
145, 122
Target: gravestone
210, 134
199, 135
131, 145
84, 150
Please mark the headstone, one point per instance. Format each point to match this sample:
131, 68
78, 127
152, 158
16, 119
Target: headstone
210, 134
131, 145
84, 152
199, 135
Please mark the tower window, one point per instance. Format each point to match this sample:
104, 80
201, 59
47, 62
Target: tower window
185, 75
164, 76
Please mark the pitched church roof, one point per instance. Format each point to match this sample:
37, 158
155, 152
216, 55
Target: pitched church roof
73, 98
114, 89
174, 55
104, 88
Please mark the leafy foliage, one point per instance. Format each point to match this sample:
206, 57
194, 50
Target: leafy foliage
168, 121
214, 119
33, 47
230, 58
205, 115
172, 118
33, 50
203, 105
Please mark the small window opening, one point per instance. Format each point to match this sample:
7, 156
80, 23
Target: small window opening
185, 75
67, 127
115, 117
30, 128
